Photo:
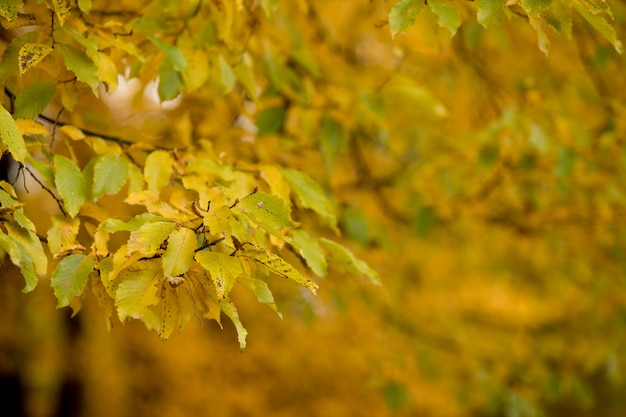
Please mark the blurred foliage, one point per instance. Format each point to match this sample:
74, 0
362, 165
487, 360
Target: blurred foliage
471, 152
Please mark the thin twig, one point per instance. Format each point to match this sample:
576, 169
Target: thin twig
59, 203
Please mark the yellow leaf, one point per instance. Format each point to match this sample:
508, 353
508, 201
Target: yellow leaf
32, 54
31, 127
63, 9
73, 132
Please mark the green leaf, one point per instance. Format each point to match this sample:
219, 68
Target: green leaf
11, 136
270, 120
224, 270
172, 53
227, 75
24, 233
32, 54
116, 225
311, 251
33, 99
70, 277
267, 210
534, 7
403, 15
138, 290
62, 233
278, 266
21, 258
158, 170
178, 256
9, 8
70, 184
10, 57
80, 64
261, 290
601, 25
310, 195
490, 12
229, 309
109, 175
448, 15
148, 238
331, 139
170, 82
345, 260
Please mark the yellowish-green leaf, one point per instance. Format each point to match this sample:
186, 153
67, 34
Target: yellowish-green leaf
147, 239
273, 176
278, 266
62, 233
261, 290
311, 251
172, 53
115, 225
534, 7
63, 9
33, 99
138, 289
170, 82
85, 5
70, 277
224, 270
345, 261
32, 54
70, 183
490, 12
227, 75
448, 16
269, 6
268, 211
9, 8
158, 170
25, 234
11, 136
542, 38
107, 71
600, 24
403, 15
229, 309
310, 195
21, 258
80, 64
178, 256
109, 175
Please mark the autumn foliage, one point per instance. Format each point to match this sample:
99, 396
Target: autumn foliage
171, 163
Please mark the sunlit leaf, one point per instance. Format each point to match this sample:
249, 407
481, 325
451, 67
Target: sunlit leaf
80, 64
158, 170
70, 277
11, 136
403, 15
310, 195
115, 225
341, 258
448, 15
490, 12
311, 251
21, 258
226, 75
600, 24
181, 246
266, 210
70, 183
9, 8
278, 266
25, 234
147, 239
231, 312
169, 313
32, 54
85, 5
110, 175
31, 127
224, 270
62, 233
261, 290
137, 291
62, 9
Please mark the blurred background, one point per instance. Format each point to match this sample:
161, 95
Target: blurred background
482, 179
